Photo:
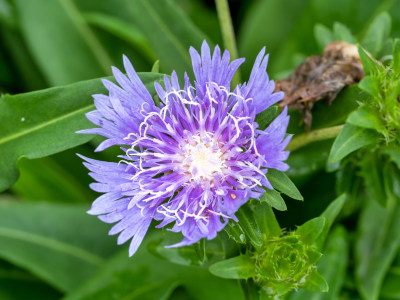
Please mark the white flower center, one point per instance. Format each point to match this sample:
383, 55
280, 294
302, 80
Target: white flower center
203, 160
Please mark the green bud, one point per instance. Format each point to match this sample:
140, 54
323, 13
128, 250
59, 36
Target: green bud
285, 264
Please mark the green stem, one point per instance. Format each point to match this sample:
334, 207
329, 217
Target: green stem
313, 136
228, 35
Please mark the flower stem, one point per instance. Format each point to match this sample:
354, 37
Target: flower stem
314, 136
228, 35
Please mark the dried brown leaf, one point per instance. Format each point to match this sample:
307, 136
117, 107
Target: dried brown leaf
321, 77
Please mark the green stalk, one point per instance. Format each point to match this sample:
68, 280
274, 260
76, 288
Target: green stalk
313, 136
228, 35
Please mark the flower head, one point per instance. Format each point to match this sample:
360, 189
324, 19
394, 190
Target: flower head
192, 161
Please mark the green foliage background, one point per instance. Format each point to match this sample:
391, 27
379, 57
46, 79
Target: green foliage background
52, 54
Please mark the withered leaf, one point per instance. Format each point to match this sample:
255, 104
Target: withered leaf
321, 77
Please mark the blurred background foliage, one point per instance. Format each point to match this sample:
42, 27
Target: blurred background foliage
50, 249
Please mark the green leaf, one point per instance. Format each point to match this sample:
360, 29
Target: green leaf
376, 246
377, 33
133, 284
274, 199
351, 138
307, 161
62, 44
336, 114
200, 249
265, 117
30, 76
124, 30
267, 14
240, 267
333, 263
192, 255
390, 287
393, 151
249, 225
16, 284
156, 67
42, 123
391, 181
323, 35
45, 179
396, 57
330, 214
266, 220
311, 230
371, 171
342, 33
366, 118
316, 283
370, 65
169, 39
332, 266
137, 277
235, 232
371, 85
282, 183
53, 241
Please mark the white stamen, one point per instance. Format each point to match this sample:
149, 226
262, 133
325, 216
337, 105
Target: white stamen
202, 159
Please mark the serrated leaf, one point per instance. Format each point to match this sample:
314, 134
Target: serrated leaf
376, 246
235, 232
366, 118
323, 35
377, 33
342, 33
274, 199
313, 255
330, 214
316, 283
332, 266
282, 183
310, 231
249, 225
267, 222
240, 267
351, 138
42, 123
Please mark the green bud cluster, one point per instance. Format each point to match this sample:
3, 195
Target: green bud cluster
285, 264
382, 83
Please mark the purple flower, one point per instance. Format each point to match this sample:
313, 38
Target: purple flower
194, 160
